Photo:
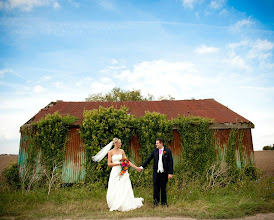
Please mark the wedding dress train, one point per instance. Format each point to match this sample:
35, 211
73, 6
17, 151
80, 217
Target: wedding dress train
120, 194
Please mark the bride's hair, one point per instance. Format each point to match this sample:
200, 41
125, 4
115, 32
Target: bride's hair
116, 140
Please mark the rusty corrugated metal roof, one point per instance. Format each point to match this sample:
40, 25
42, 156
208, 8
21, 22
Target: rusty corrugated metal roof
208, 108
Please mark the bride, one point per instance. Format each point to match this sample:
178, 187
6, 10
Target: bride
119, 194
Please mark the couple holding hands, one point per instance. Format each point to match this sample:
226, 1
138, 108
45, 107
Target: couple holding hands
120, 194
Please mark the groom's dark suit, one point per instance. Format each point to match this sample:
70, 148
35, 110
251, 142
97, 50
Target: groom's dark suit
160, 179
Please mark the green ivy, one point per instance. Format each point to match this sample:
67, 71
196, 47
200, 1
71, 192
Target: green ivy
99, 127
49, 137
149, 128
198, 150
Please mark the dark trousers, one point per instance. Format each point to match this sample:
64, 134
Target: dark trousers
160, 186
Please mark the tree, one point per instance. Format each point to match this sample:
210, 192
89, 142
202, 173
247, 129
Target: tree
117, 94
268, 147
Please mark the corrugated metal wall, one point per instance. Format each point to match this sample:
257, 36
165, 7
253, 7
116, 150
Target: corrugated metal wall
221, 137
74, 164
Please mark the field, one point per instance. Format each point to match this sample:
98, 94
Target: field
265, 161
252, 200
6, 160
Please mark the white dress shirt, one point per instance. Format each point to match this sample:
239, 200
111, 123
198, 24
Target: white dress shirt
160, 162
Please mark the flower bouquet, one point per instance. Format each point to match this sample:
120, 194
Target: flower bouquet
125, 165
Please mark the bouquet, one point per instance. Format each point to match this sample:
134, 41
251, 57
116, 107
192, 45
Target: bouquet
125, 165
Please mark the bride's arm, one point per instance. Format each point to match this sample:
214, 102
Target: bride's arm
109, 161
130, 164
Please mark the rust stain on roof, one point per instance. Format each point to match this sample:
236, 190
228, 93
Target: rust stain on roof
208, 108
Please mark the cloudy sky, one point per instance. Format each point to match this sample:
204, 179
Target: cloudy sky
66, 49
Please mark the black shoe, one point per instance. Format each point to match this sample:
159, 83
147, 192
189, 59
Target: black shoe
164, 205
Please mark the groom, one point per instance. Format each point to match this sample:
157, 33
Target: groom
162, 171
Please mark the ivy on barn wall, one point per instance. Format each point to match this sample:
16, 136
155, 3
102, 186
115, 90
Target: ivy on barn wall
198, 150
47, 139
100, 126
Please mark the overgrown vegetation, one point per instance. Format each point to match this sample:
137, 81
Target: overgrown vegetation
117, 94
198, 150
44, 152
237, 200
99, 127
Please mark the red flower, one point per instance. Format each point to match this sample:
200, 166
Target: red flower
125, 165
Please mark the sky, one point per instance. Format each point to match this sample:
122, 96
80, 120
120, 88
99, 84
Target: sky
190, 49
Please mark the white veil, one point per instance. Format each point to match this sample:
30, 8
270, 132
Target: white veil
102, 153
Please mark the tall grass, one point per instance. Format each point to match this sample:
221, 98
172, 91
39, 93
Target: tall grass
189, 199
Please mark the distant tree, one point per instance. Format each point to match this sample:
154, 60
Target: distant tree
117, 94
268, 147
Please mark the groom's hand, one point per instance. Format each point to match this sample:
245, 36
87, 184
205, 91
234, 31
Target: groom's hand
169, 176
139, 169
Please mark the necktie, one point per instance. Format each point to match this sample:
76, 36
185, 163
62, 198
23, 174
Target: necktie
160, 151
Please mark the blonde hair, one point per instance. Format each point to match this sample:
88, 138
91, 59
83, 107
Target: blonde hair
116, 140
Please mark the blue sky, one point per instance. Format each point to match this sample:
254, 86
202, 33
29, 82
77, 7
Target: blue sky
65, 50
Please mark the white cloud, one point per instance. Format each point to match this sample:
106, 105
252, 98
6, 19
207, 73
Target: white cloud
188, 3
56, 5
108, 5
27, 5
223, 12
216, 4
238, 62
38, 89
242, 24
205, 49
59, 85
161, 77
237, 45
114, 61
3, 71
104, 84
263, 45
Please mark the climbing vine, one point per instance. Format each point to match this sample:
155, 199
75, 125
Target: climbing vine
198, 151
48, 136
149, 128
99, 127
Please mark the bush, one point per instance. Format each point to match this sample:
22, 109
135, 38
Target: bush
268, 147
11, 175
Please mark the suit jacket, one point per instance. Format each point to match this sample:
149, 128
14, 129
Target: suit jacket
167, 162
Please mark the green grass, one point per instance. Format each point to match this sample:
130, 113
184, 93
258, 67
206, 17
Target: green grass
234, 201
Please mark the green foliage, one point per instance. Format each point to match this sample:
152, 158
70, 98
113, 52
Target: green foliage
45, 143
11, 174
149, 128
240, 199
99, 127
198, 150
51, 137
117, 94
268, 147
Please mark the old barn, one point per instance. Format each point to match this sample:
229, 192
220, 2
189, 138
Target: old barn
74, 168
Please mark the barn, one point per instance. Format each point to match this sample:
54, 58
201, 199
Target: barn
74, 165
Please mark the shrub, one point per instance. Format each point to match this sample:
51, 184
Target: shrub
268, 147
11, 175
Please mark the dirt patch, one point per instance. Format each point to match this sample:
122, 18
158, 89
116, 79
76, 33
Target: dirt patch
6, 160
264, 161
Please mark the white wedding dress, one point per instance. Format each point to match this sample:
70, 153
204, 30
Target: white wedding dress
120, 194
